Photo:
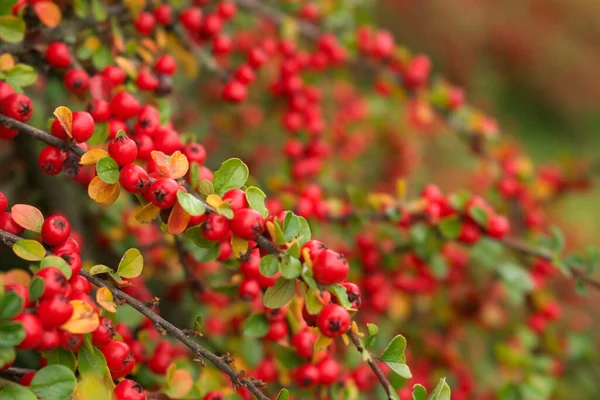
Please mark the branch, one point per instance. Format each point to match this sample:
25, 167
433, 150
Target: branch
9, 239
373, 364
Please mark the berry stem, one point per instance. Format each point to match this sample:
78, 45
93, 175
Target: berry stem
373, 364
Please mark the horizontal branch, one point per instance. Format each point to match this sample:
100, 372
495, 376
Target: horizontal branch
236, 376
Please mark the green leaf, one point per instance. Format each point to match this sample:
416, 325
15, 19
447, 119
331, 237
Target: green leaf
108, 170
232, 174
304, 233
11, 334
450, 227
30, 250
81, 8
279, 237
441, 391
204, 254
284, 394
269, 265
307, 277
91, 363
131, 264
64, 357
459, 200
290, 267
100, 269
36, 288
6, 5
101, 57
291, 226
100, 134
400, 369
256, 200
479, 215
198, 323
54, 382
164, 110
373, 331
288, 357
294, 249
394, 352
17, 392
98, 11
12, 29
419, 392
57, 262
340, 293
256, 326
205, 187
313, 304
195, 235
190, 203
280, 294
438, 266
10, 305
225, 210
7, 355
21, 75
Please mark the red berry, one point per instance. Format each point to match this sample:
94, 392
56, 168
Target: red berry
70, 341
8, 224
54, 311
195, 153
119, 359
212, 395
333, 320
146, 81
257, 57
124, 106
129, 390
134, 178
278, 330
77, 80
54, 282
314, 248
353, 292
34, 330
236, 199
104, 333
114, 75
191, 18
163, 192
498, 226
245, 74
160, 361
73, 259
165, 64
164, 14
27, 378
330, 267
211, 25
469, 233
123, 150
5, 91
235, 91
307, 376
304, 343
247, 224
58, 55
17, 106
329, 371
55, 230
144, 23
221, 45
249, 289
3, 202
80, 284
226, 10
99, 109
215, 227
51, 159
83, 126
417, 72
50, 339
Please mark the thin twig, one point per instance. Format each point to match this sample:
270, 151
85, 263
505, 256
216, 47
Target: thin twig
373, 364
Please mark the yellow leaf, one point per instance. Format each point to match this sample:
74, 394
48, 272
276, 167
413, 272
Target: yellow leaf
65, 117
345, 339
92, 43
149, 44
102, 192
48, 13
178, 220
105, 298
179, 165
7, 62
179, 382
322, 343
161, 38
92, 156
144, 55
305, 255
84, 318
127, 66
148, 213
271, 229
17, 275
401, 188
183, 56
214, 201
238, 246
135, 6
90, 388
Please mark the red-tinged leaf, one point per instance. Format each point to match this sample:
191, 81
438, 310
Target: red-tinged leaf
178, 220
28, 217
179, 382
65, 117
48, 13
179, 165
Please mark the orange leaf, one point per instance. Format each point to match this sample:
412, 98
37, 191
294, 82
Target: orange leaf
127, 66
83, 320
160, 159
179, 382
179, 165
149, 44
148, 213
65, 117
102, 192
28, 217
105, 298
178, 220
7, 62
48, 13
135, 6
92, 156
17, 275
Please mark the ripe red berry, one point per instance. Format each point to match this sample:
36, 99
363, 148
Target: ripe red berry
80, 284
54, 311
226, 10
236, 199
330, 267
51, 159
134, 178
314, 248
235, 91
191, 18
3, 202
70, 341
249, 289
163, 192
307, 376
304, 343
54, 282
215, 227
129, 390
247, 224
353, 292
257, 57
55, 230
34, 330
146, 81
278, 330
58, 55
8, 224
221, 45
17, 106
99, 109
114, 75
28, 377
123, 150
164, 14
195, 153
211, 25
104, 333
119, 359
245, 74
329, 371
50, 339
144, 23
73, 259
333, 320
165, 64
124, 106
469, 233
417, 72
5, 91
77, 80
498, 226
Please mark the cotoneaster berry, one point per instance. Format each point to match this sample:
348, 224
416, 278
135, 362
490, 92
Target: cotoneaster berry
144, 23
51, 159
236, 199
124, 106
113, 74
129, 390
7, 223
55, 282
165, 64
163, 192
304, 343
134, 178
191, 18
17, 106
247, 224
163, 14
55, 230
333, 321
123, 150
307, 376
235, 91
54, 311
119, 359
215, 227
330, 267
21, 290
58, 55
329, 371
70, 341
77, 80
33, 328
